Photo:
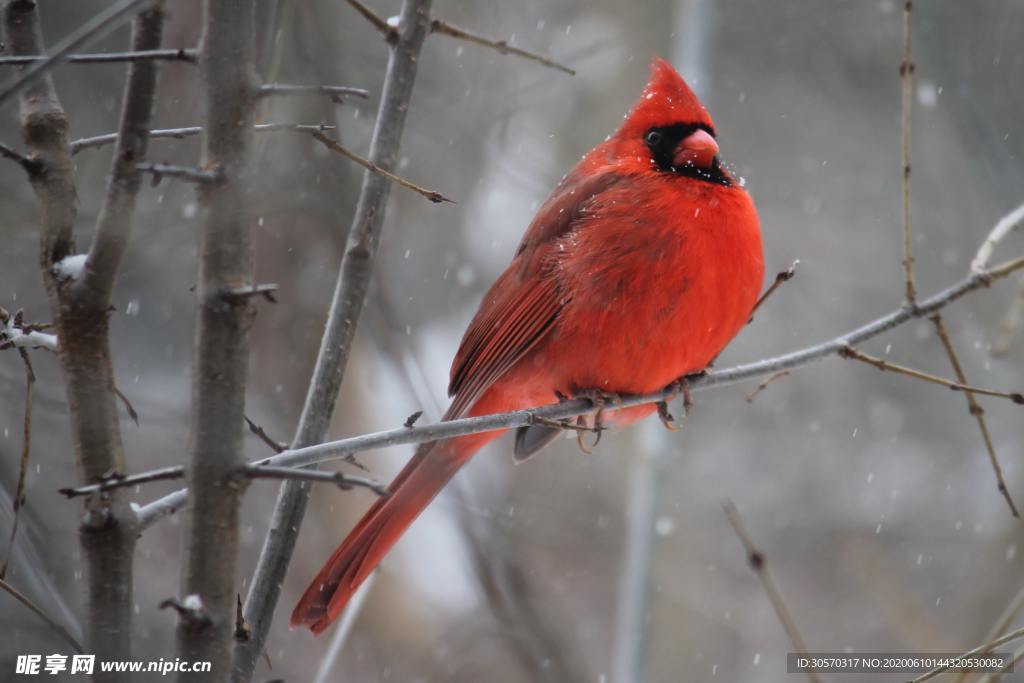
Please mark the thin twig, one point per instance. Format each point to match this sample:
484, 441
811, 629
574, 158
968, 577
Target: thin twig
757, 562
884, 365
389, 32
30, 165
336, 93
339, 479
192, 131
502, 46
92, 30
980, 650
906, 84
974, 409
258, 430
764, 385
334, 146
116, 481
1002, 623
50, 621
127, 405
238, 294
343, 448
354, 276
26, 447
994, 677
1002, 228
780, 277
178, 55
188, 173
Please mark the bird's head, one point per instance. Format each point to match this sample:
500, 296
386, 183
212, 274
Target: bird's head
669, 130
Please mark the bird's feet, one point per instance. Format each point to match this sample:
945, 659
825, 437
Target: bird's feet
600, 400
679, 386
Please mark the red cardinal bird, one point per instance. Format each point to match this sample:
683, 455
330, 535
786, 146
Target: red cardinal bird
639, 268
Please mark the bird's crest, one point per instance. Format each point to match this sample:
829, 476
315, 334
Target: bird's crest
665, 101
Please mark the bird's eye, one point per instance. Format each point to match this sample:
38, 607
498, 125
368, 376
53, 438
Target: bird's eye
653, 138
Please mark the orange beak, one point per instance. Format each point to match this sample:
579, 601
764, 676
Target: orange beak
696, 150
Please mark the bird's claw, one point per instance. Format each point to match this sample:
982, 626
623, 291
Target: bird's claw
666, 417
599, 400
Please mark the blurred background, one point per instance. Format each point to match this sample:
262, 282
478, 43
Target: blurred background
870, 494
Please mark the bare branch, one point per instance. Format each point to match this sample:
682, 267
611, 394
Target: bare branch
191, 131
350, 292
974, 409
186, 173
50, 621
114, 223
1002, 228
906, 85
780, 277
179, 55
980, 650
221, 346
258, 430
343, 448
336, 93
31, 166
148, 515
502, 46
884, 365
26, 448
334, 146
999, 628
343, 481
120, 481
764, 385
757, 562
89, 32
15, 334
389, 32
234, 295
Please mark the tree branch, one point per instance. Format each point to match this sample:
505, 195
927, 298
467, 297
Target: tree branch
881, 364
26, 449
334, 146
221, 346
336, 93
350, 292
980, 650
974, 409
179, 55
343, 481
502, 46
189, 174
301, 456
757, 562
120, 481
107, 534
780, 278
50, 621
30, 166
906, 85
191, 131
114, 223
1002, 228
87, 33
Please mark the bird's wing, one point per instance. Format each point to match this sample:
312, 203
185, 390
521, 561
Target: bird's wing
523, 304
